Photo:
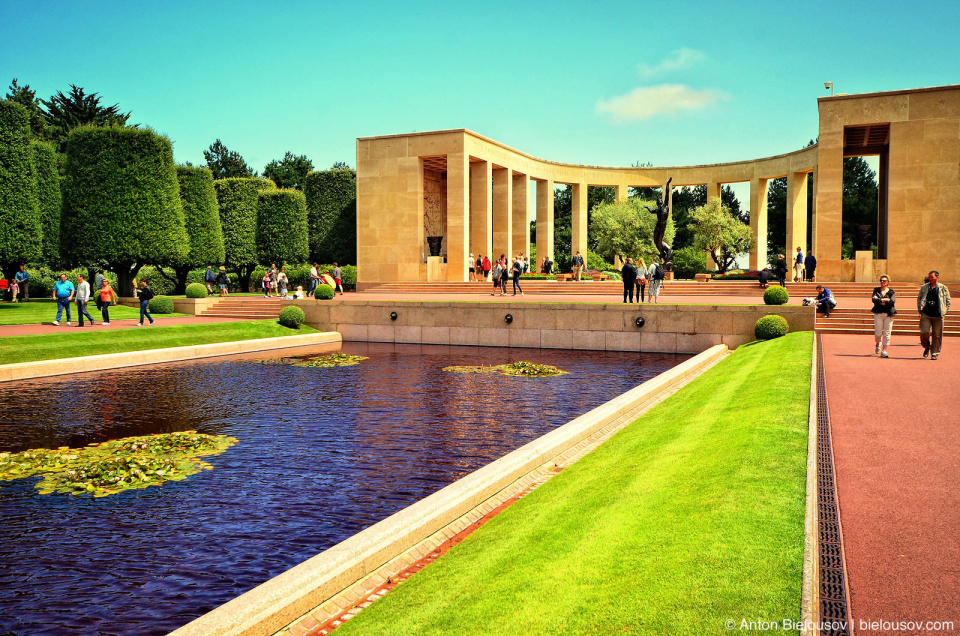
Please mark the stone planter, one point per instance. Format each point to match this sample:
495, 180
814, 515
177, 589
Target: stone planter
702, 278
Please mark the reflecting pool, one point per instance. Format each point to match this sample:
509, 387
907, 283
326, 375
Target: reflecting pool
322, 454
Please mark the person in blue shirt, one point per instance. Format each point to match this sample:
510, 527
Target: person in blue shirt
63, 291
825, 301
23, 279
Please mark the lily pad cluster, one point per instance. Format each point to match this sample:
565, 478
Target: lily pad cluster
111, 467
521, 368
322, 362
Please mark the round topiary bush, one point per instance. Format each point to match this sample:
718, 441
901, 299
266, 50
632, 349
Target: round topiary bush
770, 327
161, 305
323, 292
292, 317
196, 290
776, 296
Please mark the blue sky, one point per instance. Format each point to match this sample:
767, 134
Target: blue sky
606, 83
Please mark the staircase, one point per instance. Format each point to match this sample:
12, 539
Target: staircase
249, 307
860, 321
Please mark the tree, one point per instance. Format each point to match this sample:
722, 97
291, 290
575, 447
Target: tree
776, 219
625, 228
21, 230
332, 215
340, 165
860, 194
289, 172
27, 98
716, 230
282, 227
49, 198
201, 217
121, 201
64, 113
225, 163
237, 202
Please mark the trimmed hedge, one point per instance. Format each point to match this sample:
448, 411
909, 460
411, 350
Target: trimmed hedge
292, 317
161, 286
121, 202
332, 215
770, 327
237, 201
201, 216
775, 296
688, 262
49, 198
323, 292
21, 229
196, 290
282, 226
161, 305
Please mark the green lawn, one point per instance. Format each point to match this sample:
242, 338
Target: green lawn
690, 516
76, 343
45, 310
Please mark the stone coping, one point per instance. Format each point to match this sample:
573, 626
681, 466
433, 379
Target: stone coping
274, 604
810, 592
82, 364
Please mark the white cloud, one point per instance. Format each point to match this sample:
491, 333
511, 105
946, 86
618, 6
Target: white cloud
645, 102
679, 59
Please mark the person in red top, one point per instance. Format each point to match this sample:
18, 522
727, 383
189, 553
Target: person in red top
486, 267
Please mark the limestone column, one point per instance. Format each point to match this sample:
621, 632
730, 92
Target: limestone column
578, 241
502, 207
456, 244
622, 192
544, 221
481, 204
520, 221
813, 215
758, 223
796, 214
714, 190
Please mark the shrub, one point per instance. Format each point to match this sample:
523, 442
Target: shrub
776, 295
689, 261
331, 197
21, 228
161, 286
202, 220
533, 276
196, 290
237, 201
47, 181
612, 275
770, 327
323, 292
162, 305
292, 317
282, 226
597, 262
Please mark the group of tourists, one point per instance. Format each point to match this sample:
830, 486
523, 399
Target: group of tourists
219, 278
482, 268
804, 269
502, 272
637, 275
103, 295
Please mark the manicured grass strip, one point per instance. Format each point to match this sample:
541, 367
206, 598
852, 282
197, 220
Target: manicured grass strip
690, 516
45, 310
70, 345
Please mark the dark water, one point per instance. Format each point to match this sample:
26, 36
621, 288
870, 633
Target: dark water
322, 454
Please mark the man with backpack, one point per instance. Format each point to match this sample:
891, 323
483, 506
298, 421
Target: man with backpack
209, 277
577, 263
656, 275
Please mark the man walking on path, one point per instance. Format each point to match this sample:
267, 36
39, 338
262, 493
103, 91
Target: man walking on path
933, 303
629, 276
63, 294
146, 294
810, 265
577, 265
338, 279
209, 278
314, 279
517, 269
23, 280
83, 297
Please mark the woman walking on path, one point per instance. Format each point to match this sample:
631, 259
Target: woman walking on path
884, 309
146, 294
223, 280
517, 270
107, 298
641, 279
504, 275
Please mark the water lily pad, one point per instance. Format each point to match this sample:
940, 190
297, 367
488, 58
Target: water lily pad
521, 368
320, 362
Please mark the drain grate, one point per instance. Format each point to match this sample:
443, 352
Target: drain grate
834, 609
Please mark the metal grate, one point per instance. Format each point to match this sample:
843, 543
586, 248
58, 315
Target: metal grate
834, 609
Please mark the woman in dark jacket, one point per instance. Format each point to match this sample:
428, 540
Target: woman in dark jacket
884, 309
782, 270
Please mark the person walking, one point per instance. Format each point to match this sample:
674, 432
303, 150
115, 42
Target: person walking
629, 276
223, 281
782, 270
83, 297
810, 265
825, 300
798, 267
496, 278
209, 277
884, 309
107, 298
933, 303
338, 279
146, 295
517, 270
655, 276
504, 274
486, 268
98, 281
472, 267
22, 278
641, 279
577, 263
63, 291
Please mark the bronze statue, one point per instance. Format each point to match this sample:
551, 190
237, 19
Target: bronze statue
663, 212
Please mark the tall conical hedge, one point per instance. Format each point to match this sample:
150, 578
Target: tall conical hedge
201, 215
282, 227
21, 231
122, 201
50, 200
237, 201
332, 215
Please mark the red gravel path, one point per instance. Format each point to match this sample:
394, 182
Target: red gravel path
896, 439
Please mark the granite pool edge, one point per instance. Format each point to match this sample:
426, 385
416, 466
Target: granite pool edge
272, 605
107, 361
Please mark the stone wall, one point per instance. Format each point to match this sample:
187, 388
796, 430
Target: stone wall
667, 328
